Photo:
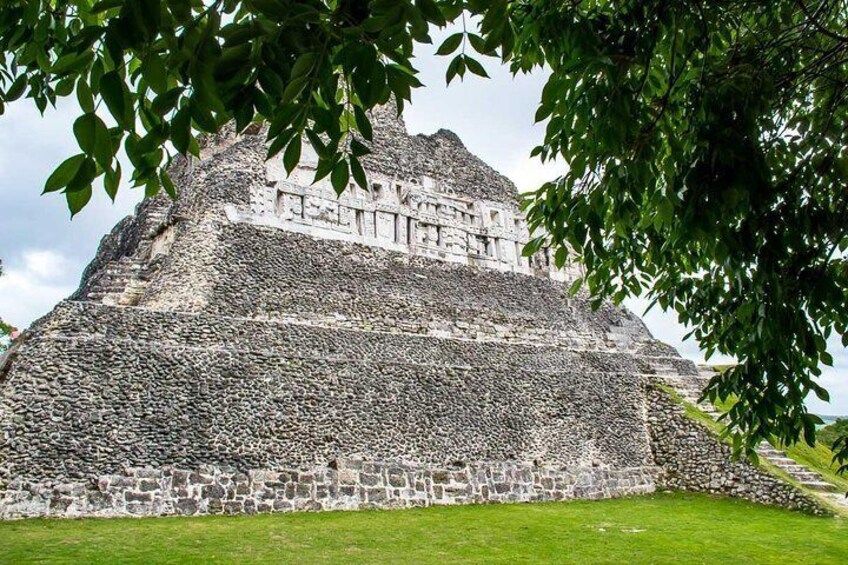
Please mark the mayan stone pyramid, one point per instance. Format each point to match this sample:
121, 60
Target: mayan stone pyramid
262, 345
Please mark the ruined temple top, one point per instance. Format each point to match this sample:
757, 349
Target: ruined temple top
441, 156
427, 196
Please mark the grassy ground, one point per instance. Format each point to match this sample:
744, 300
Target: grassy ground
662, 528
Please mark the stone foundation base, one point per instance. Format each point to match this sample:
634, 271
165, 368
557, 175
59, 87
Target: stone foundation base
345, 485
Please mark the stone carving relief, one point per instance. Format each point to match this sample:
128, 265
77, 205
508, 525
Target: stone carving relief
414, 216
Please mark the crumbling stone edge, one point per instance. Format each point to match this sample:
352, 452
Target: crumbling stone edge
693, 458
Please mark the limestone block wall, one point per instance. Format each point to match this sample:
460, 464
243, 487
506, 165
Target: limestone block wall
693, 458
346, 485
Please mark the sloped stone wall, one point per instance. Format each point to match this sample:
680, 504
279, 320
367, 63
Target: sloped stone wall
692, 458
103, 406
289, 276
79, 405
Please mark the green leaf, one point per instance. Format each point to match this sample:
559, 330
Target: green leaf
431, 11
181, 130
475, 67
450, 44
181, 9
575, 286
72, 62
168, 184
85, 175
65, 86
167, 101
478, 44
303, 65
324, 168
154, 72
105, 5
151, 186
202, 116
64, 173
318, 145
84, 96
293, 89
117, 97
112, 180
561, 257
77, 199
358, 149
363, 124
456, 67
84, 130
17, 88
340, 177
292, 155
358, 172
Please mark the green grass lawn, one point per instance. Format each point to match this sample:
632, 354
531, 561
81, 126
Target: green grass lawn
662, 528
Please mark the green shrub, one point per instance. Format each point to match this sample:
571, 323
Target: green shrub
829, 434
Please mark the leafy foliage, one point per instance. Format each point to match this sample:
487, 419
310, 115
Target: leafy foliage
166, 70
708, 167
706, 141
829, 435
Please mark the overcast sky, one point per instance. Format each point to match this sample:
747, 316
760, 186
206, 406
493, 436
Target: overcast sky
44, 252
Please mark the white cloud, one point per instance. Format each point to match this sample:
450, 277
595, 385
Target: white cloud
529, 174
33, 283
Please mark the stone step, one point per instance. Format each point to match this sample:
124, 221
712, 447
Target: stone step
791, 469
819, 485
781, 461
807, 476
772, 453
804, 471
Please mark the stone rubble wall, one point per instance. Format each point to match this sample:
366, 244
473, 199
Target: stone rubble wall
286, 276
78, 407
693, 458
347, 485
333, 338
441, 156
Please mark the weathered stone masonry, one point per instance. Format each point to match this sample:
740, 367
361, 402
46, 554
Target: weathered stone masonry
347, 485
693, 458
259, 345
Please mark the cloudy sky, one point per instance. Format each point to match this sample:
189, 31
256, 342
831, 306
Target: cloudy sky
44, 252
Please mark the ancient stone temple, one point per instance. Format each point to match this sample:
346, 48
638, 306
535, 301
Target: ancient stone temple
261, 345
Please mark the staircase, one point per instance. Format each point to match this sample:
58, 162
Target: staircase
122, 279
809, 479
115, 285
689, 388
